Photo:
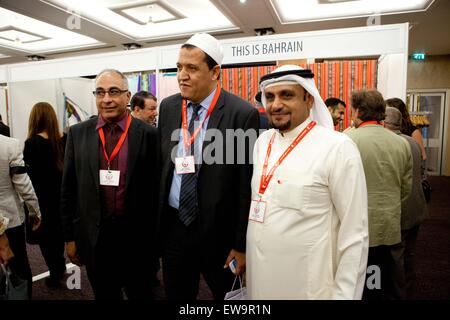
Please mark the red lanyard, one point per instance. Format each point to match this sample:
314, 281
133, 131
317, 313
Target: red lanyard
189, 141
118, 145
365, 123
265, 179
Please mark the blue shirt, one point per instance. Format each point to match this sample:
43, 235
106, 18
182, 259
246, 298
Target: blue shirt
174, 195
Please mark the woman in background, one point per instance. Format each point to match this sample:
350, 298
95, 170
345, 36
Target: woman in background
407, 126
43, 154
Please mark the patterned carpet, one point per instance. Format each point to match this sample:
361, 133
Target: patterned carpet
433, 257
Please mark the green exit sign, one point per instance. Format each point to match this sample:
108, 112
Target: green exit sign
418, 56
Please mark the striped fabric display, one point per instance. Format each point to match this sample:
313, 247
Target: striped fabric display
333, 79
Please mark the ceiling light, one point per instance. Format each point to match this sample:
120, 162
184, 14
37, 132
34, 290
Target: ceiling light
242, 1
290, 11
36, 37
171, 18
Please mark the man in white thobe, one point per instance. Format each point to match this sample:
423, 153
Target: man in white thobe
307, 235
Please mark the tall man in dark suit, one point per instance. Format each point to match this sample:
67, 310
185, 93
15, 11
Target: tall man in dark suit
107, 202
4, 129
204, 204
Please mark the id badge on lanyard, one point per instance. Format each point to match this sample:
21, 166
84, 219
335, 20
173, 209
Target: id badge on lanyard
112, 177
185, 165
109, 178
258, 207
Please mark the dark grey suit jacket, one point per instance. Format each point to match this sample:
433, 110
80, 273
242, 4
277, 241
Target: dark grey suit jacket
224, 191
4, 129
80, 193
415, 208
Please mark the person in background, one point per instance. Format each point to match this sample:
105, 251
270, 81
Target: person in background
415, 209
307, 234
16, 188
144, 107
388, 165
407, 126
43, 155
4, 129
337, 110
109, 194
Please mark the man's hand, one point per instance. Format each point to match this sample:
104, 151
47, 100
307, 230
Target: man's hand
5, 251
35, 222
240, 259
71, 251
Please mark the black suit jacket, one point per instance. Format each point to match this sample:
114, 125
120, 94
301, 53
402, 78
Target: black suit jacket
80, 193
4, 129
224, 190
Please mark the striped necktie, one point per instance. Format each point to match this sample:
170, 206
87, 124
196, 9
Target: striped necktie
188, 207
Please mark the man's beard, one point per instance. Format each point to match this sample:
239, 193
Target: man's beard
281, 126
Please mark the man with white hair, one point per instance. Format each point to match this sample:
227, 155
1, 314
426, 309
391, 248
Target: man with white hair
204, 205
109, 194
307, 236
413, 211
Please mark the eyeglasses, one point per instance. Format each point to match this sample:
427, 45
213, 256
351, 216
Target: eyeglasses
113, 92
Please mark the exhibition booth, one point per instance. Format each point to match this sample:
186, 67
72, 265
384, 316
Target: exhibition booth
343, 60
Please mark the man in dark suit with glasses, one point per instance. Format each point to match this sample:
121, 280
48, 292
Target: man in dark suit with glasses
109, 182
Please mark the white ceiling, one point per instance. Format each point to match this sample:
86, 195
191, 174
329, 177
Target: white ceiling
61, 28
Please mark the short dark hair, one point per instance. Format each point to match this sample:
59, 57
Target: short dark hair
333, 103
370, 105
139, 98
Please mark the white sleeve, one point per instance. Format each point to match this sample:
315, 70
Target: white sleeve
21, 181
349, 195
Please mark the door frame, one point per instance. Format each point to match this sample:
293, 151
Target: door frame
444, 168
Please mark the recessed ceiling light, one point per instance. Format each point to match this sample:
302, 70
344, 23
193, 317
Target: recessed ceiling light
290, 11
170, 18
243, 1
30, 35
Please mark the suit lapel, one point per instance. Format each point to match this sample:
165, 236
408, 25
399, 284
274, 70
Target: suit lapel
134, 141
216, 116
174, 123
93, 153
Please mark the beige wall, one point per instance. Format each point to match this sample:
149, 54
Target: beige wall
433, 73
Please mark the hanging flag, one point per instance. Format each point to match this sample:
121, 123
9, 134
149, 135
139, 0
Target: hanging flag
73, 113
